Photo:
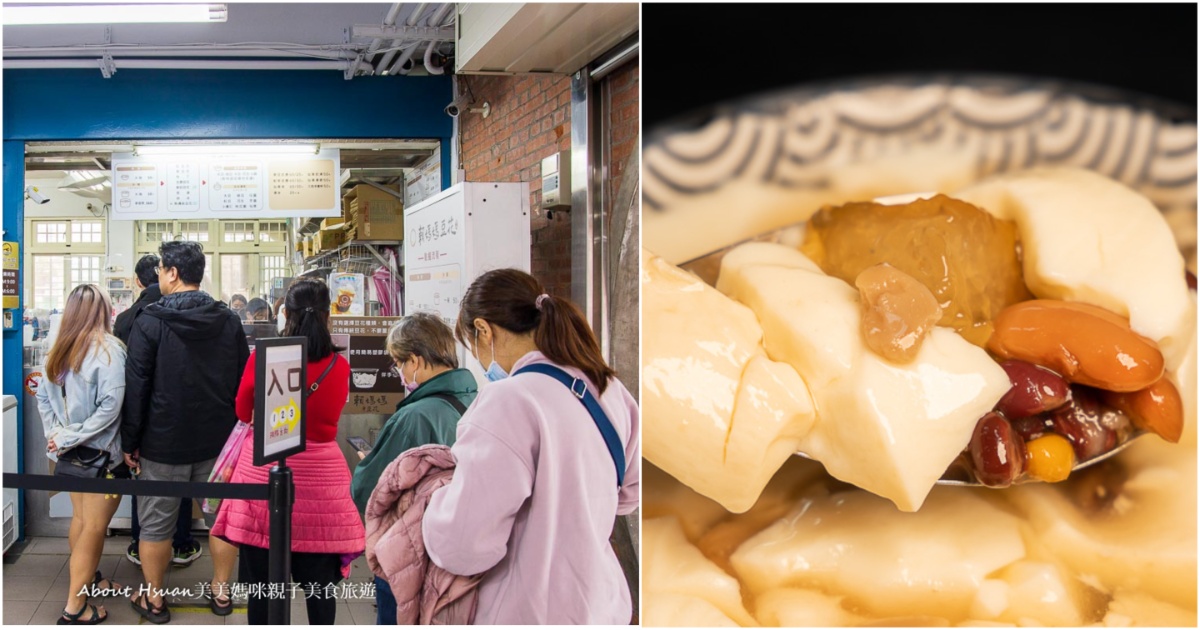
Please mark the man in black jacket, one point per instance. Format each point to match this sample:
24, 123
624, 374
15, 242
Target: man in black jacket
185, 549
186, 355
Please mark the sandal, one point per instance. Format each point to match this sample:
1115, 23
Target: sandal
100, 591
161, 614
217, 607
68, 619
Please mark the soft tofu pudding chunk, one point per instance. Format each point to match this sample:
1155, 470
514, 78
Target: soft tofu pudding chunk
887, 428
1087, 238
720, 416
884, 562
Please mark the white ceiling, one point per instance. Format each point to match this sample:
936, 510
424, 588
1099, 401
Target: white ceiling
514, 38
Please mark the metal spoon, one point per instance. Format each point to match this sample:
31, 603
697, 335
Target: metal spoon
708, 268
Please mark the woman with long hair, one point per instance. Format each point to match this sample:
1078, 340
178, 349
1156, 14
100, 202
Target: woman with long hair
327, 533
80, 399
540, 477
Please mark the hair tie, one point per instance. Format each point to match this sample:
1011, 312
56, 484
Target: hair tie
309, 309
538, 302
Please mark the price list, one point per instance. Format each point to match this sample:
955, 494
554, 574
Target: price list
135, 187
183, 187
235, 186
296, 185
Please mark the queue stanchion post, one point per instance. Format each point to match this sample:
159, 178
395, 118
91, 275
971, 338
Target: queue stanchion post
282, 497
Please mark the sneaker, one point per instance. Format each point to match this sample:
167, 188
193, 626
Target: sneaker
184, 556
131, 554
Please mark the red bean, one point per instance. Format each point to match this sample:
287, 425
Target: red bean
1034, 390
997, 451
1032, 427
1092, 427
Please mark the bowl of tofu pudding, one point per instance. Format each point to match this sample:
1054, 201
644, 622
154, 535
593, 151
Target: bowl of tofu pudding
921, 352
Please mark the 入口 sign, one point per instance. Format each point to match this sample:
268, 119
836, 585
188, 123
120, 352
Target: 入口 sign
280, 394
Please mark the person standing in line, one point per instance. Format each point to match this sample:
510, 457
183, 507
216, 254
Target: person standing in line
79, 399
438, 392
327, 533
185, 548
186, 352
536, 488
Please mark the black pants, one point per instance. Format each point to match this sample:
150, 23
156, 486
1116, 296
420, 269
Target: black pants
322, 569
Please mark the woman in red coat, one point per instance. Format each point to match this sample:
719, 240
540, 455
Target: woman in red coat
327, 533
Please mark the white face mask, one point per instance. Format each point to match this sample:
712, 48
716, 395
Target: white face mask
282, 321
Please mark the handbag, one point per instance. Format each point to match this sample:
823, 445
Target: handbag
222, 470
82, 461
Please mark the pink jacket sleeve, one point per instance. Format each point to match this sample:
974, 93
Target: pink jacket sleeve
468, 523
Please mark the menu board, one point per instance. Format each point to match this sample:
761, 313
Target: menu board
235, 186
435, 241
12, 266
374, 385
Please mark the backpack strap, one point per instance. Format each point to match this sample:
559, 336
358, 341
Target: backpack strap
453, 400
579, 388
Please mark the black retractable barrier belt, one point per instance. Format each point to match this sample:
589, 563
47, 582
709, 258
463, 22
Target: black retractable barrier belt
139, 487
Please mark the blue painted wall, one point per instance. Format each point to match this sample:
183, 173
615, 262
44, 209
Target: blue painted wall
202, 105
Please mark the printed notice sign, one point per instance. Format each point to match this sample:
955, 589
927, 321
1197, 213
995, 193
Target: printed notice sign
296, 185
12, 266
135, 189
280, 389
374, 385
435, 252
226, 186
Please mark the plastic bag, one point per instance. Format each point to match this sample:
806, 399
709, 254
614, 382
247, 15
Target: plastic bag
222, 470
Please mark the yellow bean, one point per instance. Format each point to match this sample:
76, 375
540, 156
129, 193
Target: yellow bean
1049, 458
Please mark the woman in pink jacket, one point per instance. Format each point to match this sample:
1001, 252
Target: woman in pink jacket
327, 532
537, 486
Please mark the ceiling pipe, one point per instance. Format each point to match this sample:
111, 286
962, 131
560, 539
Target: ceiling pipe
382, 66
404, 64
388, 20
429, 66
185, 64
301, 51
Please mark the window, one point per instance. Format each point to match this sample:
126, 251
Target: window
194, 231
50, 232
239, 231
62, 254
241, 256
87, 231
155, 232
272, 267
273, 232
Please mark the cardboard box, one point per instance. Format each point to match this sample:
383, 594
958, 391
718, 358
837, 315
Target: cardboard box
325, 240
379, 220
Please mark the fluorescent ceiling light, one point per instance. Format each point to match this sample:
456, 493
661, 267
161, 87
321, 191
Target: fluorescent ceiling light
113, 13
210, 149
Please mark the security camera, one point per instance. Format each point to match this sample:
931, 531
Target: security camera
33, 193
456, 108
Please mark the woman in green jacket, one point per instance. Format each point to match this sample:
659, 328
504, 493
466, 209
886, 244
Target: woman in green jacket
438, 392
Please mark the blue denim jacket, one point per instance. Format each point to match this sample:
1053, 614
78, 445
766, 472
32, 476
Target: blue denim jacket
91, 413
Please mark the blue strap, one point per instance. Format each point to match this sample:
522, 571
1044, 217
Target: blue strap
579, 388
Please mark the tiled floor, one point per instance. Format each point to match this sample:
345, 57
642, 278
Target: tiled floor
36, 579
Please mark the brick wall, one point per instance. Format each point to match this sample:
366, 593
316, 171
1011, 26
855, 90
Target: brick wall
530, 120
623, 123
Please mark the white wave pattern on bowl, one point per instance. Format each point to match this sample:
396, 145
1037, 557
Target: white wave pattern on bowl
1003, 129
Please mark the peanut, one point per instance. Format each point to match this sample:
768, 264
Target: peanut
1085, 344
1157, 408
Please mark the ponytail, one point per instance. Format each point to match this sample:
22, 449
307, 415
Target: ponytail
563, 335
515, 301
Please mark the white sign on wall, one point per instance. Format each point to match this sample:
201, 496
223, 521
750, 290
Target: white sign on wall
217, 186
434, 255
